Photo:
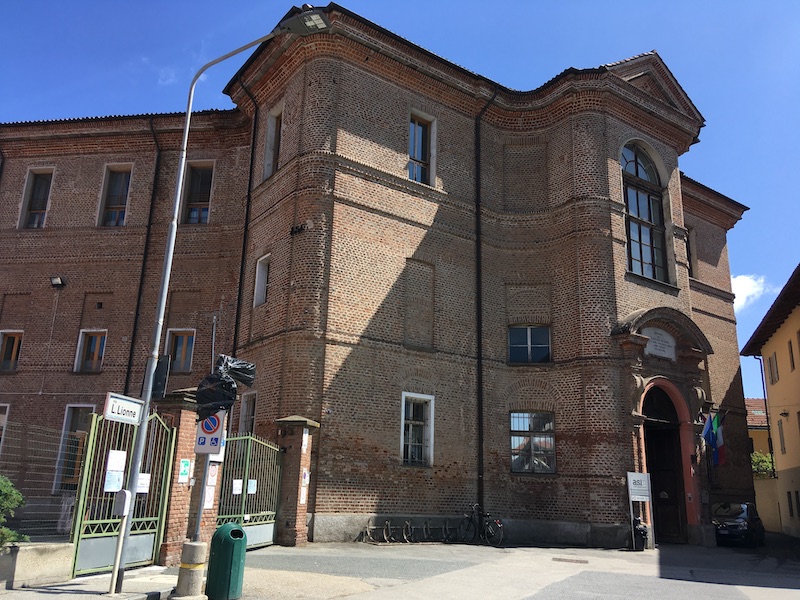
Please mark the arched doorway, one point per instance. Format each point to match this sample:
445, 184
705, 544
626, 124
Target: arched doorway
663, 459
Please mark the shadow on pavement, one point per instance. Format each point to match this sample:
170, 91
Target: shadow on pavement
776, 564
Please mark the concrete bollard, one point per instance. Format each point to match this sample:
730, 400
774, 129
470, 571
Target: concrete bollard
190, 576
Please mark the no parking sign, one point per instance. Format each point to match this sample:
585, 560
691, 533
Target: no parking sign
210, 437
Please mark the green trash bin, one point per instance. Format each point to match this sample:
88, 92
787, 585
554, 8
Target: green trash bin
226, 563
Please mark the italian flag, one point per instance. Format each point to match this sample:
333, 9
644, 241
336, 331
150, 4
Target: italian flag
712, 434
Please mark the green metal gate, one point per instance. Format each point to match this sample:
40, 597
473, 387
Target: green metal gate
94, 528
250, 487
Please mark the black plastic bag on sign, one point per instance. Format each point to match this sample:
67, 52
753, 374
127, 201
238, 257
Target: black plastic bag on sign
240, 370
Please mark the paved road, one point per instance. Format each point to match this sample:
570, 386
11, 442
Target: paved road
425, 571
443, 571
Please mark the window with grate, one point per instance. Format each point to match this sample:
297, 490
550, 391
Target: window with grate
533, 442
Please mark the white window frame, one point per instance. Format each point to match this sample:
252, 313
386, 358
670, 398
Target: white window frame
79, 354
57, 477
28, 191
114, 168
3, 335
5, 410
200, 164
428, 432
171, 334
274, 133
247, 413
432, 143
261, 288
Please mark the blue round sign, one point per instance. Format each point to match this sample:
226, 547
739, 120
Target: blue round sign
210, 424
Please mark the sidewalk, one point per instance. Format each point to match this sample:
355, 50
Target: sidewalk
409, 571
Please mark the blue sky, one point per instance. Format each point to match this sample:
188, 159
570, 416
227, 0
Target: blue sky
739, 62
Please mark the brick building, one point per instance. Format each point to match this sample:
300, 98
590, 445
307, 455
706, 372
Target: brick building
479, 293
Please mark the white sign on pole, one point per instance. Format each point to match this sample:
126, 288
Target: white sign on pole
639, 487
123, 409
210, 437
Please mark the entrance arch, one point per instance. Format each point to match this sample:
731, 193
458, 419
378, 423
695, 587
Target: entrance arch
663, 458
667, 443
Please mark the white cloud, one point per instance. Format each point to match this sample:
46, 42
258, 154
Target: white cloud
748, 289
166, 76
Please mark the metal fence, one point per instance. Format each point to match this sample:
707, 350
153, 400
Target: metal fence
251, 487
44, 465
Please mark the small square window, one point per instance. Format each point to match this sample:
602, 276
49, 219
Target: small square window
181, 348
529, 344
37, 197
10, 343
198, 196
115, 198
417, 433
533, 442
91, 349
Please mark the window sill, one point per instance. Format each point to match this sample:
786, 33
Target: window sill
641, 279
410, 466
100, 372
531, 474
529, 364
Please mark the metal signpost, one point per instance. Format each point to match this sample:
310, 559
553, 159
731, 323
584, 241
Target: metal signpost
209, 441
638, 491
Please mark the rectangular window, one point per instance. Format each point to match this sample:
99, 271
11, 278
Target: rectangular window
36, 202
789, 501
689, 254
780, 436
646, 251
419, 149
272, 142
262, 281
3, 421
529, 344
77, 424
91, 347
247, 414
797, 501
772, 364
417, 433
10, 342
198, 196
533, 442
791, 356
181, 347
116, 197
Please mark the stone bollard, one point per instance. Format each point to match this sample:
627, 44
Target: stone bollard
190, 576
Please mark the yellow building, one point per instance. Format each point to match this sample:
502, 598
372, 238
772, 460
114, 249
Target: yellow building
777, 342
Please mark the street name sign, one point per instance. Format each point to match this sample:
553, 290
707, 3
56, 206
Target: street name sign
123, 409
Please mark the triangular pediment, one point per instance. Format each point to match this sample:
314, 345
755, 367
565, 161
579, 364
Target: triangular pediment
648, 73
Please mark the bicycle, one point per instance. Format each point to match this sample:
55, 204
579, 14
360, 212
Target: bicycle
477, 522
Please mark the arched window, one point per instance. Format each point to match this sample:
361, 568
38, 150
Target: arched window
645, 214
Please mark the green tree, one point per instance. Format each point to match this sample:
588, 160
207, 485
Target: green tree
10, 499
762, 465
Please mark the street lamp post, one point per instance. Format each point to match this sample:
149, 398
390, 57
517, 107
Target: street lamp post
308, 21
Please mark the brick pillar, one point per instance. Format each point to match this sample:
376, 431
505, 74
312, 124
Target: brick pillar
294, 435
184, 496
